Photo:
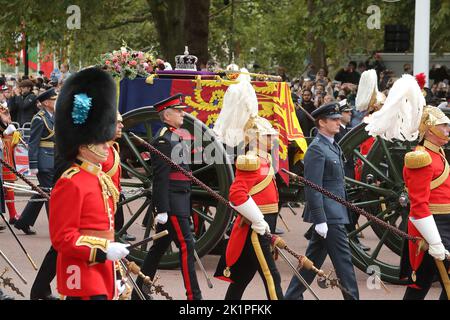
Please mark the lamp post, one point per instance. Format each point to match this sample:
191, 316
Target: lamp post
422, 38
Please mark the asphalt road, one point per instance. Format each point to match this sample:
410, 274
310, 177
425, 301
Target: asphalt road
37, 245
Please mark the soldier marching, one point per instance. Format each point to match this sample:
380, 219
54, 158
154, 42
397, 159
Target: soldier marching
84, 201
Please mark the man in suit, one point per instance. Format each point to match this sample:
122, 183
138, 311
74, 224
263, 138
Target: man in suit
41, 157
324, 166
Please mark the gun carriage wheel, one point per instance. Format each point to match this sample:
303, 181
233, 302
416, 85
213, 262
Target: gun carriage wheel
209, 219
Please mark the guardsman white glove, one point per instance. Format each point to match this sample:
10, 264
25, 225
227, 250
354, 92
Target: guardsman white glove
116, 251
429, 231
322, 229
260, 227
161, 218
251, 212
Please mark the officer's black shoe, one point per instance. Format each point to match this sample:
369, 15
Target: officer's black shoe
12, 221
49, 297
26, 229
5, 296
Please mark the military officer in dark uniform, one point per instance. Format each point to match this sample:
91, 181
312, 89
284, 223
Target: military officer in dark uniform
324, 166
172, 198
41, 157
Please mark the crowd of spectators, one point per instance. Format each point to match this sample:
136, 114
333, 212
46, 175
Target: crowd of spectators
315, 87
19, 94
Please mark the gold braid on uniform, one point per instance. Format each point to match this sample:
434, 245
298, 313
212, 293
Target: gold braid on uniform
109, 190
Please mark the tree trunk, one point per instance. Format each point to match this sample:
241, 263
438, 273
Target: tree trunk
168, 17
318, 50
197, 28
182, 23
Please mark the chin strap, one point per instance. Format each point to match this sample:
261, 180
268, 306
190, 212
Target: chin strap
97, 151
438, 133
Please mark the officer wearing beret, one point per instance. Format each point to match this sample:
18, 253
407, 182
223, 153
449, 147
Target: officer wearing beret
172, 197
324, 166
40, 155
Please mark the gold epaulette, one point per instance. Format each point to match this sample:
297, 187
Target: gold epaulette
248, 162
69, 173
417, 159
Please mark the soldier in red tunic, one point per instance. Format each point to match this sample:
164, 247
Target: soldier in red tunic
253, 194
84, 199
426, 175
405, 116
10, 138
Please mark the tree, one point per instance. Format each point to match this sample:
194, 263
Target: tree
180, 23
266, 33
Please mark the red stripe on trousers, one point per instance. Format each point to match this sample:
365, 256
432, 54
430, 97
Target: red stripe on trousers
184, 257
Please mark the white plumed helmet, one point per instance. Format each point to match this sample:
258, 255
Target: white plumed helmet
239, 113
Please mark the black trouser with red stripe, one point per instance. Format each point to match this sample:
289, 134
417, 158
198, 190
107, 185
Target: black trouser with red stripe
256, 256
180, 232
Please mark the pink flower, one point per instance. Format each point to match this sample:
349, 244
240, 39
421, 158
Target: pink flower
132, 63
140, 55
107, 62
115, 60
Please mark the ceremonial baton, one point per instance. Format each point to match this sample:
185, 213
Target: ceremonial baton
151, 238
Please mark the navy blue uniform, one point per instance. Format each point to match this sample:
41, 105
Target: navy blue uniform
41, 157
172, 194
324, 166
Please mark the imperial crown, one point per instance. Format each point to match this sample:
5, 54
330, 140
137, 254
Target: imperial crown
186, 61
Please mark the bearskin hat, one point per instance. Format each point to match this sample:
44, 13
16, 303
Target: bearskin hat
85, 111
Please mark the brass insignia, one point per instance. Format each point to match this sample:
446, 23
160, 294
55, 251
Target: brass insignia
69, 173
227, 272
413, 276
249, 162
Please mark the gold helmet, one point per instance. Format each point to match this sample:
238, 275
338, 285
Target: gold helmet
238, 120
432, 117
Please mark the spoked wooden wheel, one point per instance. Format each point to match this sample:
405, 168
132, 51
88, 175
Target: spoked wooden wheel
380, 192
210, 219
